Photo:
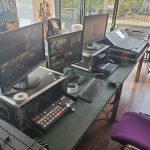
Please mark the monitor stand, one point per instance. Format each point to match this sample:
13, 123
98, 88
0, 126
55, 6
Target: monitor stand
93, 46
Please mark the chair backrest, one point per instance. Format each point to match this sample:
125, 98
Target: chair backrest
76, 27
54, 26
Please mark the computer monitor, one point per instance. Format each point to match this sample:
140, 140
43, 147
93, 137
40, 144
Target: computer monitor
65, 50
22, 50
94, 29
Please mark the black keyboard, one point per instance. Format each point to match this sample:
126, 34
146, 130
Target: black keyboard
53, 112
89, 93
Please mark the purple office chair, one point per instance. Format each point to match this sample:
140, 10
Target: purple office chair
133, 129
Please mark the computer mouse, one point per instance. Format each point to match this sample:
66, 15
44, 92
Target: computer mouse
113, 84
99, 75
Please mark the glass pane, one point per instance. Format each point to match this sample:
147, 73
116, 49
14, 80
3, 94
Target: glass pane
133, 13
100, 6
25, 12
70, 13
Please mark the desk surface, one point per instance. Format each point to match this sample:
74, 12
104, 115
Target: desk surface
69, 129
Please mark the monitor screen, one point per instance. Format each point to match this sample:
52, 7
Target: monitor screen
21, 50
65, 50
94, 28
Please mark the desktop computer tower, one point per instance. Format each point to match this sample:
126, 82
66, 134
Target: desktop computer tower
20, 114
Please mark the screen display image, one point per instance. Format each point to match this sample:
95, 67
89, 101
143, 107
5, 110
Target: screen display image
21, 51
65, 50
94, 28
59, 45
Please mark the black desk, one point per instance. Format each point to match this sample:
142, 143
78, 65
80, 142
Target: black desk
68, 130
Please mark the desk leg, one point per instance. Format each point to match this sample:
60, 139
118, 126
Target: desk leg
116, 103
139, 68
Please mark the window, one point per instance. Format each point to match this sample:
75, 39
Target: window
70, 13
133, 13
25, 12
100, 6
